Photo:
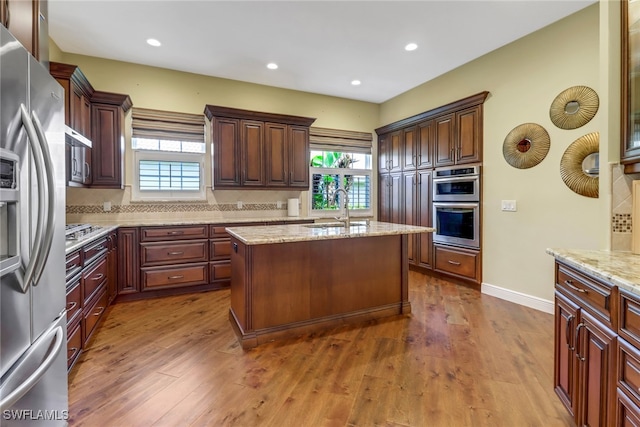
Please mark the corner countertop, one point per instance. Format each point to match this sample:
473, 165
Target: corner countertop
616, 267
261, 235
72, 245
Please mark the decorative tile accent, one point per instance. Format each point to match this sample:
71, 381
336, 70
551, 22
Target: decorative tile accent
621, 223
173, 207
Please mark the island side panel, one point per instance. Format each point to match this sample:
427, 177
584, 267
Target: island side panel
303, 281
240, 291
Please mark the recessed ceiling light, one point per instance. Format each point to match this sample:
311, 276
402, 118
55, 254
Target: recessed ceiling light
411, 46
153, 42
356, 82
272, 66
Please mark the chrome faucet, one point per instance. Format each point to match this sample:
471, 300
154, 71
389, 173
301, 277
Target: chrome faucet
346, 220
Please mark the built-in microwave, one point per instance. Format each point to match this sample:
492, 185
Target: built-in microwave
458, 184
457, 223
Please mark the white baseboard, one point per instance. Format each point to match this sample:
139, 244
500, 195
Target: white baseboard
518, 298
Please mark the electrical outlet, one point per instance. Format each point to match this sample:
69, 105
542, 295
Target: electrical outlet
509, 206
106, 206
239, 204
279, 204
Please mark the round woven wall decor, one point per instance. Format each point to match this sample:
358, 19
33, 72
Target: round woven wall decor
574, 107
526, 145
571, 169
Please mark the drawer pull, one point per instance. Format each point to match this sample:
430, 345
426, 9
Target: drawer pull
175, 277
175, 233
71, 305
175, 253
98, 277
72, 350
71, 267
99, 248
453, 262
570, 284
99, 312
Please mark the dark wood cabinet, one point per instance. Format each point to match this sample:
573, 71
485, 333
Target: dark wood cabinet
390, 197
78, 92
128, 261
258, 150
27, 21
107, 130
458, 136
424, 241
444, 143
586, 343
112, 266
390, 152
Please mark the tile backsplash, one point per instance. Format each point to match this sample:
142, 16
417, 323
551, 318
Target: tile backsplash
88, 206
621, 207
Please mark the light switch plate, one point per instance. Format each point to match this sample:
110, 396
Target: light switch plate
509, 206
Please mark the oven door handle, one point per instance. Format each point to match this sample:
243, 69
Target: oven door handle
471, 205
456, 178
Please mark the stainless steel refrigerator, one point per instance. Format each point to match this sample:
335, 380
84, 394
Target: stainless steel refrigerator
33, 368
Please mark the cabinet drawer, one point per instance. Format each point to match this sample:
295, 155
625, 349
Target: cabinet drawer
217, 231
156, 234
627, 412
220, 271
93, 278
459, 262
94, 250
630, 318
588, 291
74, 344
156, 278
73, 264
220, 249
629, 369
92, 314
74, 299
173, 253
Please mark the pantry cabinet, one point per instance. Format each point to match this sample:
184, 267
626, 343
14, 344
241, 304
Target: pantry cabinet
409, 150
259, 150
27, 20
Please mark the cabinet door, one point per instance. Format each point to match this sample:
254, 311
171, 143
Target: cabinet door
423, 218
252, 148
128, 260
408, 194
395, 198
425, 143
596, 357
298, 156
444, 143
107, 146
395, 151
21, 19
276, 155
409, 148
565, 375
383, 150
226, 152
468, 125
112, 267
384, 197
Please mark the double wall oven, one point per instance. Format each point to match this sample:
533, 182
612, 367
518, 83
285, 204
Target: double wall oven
456, 206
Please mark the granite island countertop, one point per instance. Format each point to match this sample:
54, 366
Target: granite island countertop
619, 268
260, 235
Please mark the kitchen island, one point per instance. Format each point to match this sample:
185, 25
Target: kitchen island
288, 280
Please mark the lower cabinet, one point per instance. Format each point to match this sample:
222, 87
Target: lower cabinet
87, 294
587, 348
156, 261
459, 262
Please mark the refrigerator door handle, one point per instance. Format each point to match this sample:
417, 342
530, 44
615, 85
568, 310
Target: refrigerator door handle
51, 200
11, 397
39, 163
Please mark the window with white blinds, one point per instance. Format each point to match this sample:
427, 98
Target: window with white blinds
340, 159
169, 150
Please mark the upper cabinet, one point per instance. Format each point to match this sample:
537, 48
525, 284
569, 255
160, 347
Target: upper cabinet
107, 131
258, 150
630, 108
448, 135
78, 92
27, 21
99, 117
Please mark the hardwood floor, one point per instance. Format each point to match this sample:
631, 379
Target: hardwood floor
460, 359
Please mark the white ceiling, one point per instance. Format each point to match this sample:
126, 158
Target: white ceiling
320, 46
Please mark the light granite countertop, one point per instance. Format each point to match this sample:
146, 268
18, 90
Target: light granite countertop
618, 268
72, 245
261, 235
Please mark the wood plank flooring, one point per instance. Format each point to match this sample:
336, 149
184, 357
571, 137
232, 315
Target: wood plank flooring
460, 359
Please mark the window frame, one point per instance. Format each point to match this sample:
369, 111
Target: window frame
138, 195
341, 172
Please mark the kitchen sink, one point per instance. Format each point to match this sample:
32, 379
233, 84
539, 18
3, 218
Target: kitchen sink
334, 224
